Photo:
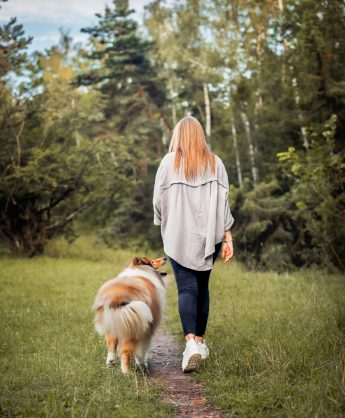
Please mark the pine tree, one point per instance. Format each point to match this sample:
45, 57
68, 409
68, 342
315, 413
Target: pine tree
13, 44
134, 96
124, 72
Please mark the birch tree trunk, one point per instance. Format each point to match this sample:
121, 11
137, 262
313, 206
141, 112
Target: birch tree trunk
261, 37
300, 116
165, 132
207, 113
285, 43
281, 8
77, 136
253, 167
172, 98
235, 145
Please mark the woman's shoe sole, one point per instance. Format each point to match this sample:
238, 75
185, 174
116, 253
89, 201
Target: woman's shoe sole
193, 362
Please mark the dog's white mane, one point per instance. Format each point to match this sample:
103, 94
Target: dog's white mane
129, 272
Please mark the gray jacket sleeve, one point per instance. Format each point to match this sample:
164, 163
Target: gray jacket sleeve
156, 201
228, 218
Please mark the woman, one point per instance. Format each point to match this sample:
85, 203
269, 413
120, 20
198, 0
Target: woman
190, 203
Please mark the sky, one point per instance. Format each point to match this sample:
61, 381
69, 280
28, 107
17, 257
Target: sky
43, 18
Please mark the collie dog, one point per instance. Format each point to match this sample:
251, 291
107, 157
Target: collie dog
128, 310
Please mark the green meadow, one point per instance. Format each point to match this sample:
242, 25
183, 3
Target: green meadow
276, 341
52, 360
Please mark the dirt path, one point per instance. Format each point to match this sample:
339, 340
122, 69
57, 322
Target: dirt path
178, 387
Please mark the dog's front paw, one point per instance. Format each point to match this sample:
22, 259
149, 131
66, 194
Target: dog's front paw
124, 369
110, 360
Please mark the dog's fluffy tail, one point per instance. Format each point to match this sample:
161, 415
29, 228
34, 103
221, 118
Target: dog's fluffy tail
125, 320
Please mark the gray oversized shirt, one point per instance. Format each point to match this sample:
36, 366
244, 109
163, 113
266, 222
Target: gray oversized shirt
193, 214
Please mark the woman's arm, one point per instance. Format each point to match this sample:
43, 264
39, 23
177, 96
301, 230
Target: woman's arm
156, 201
228, 248
228, 236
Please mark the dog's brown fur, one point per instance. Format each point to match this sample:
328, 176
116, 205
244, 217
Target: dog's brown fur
128, 310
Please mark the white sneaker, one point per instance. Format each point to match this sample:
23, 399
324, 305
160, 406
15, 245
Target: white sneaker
191, 356
203, 350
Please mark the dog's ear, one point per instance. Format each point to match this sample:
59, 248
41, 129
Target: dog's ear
135, 261
146, 261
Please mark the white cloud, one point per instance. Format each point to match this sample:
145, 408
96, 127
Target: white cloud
48, 37
63, 11
42, 10
43, 18
54, 38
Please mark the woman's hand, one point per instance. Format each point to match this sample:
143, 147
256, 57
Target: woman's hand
228, 248
227, 251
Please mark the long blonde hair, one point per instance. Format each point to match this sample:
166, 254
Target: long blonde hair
188, 141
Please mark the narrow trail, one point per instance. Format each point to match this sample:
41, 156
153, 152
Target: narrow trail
178, 387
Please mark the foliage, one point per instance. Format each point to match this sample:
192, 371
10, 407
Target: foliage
296, 218
265, 232
45, 157
133, 96
318, 196
12, 47
258, 75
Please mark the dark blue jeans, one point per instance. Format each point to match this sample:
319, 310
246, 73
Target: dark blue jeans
193, 296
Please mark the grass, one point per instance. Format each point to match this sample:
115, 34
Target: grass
52, 361
276, 342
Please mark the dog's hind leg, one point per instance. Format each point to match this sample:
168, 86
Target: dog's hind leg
126, 352
141, 352
111, 344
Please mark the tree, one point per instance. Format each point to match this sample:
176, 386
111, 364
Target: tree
318, 197
134, 98
44, 168
13, 44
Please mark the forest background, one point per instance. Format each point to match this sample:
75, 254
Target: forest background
83, 130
